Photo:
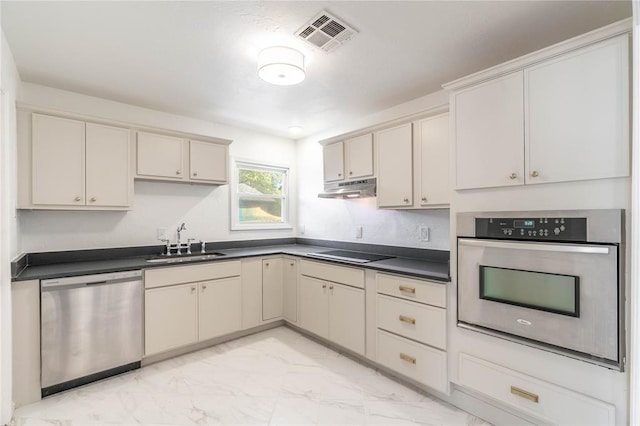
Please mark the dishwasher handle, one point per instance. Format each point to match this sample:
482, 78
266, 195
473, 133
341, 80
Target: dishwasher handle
89, 280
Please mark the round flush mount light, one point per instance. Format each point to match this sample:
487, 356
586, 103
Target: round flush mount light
295, 130
281, 65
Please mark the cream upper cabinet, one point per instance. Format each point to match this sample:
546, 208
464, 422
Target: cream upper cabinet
164, 157
108, 166
160, 156
219, 307
432, 147
359, 156
290, 289
79, 165
58, 161
333, 161
559, 119
272, 288
577, 115
489, 133
395, 171
208, 161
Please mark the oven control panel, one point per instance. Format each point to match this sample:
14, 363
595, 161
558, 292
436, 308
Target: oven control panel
530, 228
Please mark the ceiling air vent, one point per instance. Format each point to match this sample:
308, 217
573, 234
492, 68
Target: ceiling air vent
326, 32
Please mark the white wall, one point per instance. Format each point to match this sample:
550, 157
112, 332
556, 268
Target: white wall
204, 208
335, 219
10, 86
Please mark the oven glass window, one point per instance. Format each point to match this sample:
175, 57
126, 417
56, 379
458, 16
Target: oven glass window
546, 292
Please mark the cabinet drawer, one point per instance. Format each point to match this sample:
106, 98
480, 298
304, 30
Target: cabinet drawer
423, 323
159, 277
338, 274
410, 289
533, 396
418, 362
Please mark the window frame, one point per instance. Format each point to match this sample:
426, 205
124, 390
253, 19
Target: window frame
235, 196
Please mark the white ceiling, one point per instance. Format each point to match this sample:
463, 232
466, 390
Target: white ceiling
199, 58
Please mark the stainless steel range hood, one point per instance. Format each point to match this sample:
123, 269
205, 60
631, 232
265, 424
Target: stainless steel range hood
354, 189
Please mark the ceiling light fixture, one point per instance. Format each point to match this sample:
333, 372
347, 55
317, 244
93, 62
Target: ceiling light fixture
281, 65
294, 130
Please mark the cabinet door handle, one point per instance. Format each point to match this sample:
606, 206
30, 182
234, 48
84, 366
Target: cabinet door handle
339, 174
178, 172
193, 289
324, 286
535, 173
406, 200
424, 199
524, 394
291, 264
407, 358
330, 287
406, 289
195, 173
266, 264
408, 320
204, 287
350, 173
93, 199
513, 176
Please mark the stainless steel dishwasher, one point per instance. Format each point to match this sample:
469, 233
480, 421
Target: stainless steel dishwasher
91, 328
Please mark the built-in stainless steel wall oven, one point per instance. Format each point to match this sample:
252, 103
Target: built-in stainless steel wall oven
550, 279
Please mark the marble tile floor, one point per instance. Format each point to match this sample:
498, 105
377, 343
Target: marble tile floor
277, 377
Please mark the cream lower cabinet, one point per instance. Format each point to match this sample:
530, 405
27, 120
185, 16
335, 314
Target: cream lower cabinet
332, 310
219, 311
188, 304
272, 288
290, 289
411, 335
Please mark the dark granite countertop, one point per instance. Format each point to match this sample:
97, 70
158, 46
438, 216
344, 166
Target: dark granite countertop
419, 263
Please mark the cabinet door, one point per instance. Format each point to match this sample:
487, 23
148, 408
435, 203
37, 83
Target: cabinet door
346, 317
290, 282
160, 156
208, 161
219, 307
333, 160
359, 152
107, 166
314, 309
433, 138
170, 317
58, 161
577, 114
489, 133
395, 166
272, 297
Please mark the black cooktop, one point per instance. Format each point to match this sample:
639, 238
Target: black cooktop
350, 256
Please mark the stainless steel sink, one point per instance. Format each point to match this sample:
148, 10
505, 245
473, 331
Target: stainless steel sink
185, 258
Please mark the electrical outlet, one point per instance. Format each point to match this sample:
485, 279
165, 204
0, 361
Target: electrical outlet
425, 233
359, 232
162, 233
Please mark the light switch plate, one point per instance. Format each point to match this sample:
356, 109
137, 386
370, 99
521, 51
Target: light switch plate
425, 233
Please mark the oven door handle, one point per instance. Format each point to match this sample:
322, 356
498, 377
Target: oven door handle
564, 248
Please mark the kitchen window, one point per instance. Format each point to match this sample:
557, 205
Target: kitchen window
259, 196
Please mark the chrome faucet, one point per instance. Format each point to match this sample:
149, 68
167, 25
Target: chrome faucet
179, 245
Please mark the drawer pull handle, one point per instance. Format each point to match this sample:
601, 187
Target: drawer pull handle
524, 394
408, 320
407, 289
408, 358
